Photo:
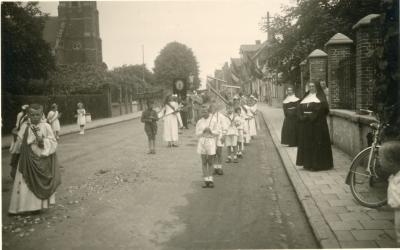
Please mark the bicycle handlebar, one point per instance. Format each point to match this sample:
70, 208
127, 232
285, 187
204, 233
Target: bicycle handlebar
368, 111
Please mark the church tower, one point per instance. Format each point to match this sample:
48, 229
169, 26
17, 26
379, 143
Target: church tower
78, 38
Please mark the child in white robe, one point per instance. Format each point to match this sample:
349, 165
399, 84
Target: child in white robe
240, 126
81, 118
38, 138
207, 131
251, 111
53, 120
22, 117
221, 122
390, 159
231, 134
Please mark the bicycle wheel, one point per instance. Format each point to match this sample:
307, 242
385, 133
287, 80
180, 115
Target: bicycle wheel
368, 189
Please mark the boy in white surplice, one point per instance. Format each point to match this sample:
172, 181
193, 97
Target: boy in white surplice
38, 175
207, 132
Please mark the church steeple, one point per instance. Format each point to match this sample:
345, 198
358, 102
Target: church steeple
78, 38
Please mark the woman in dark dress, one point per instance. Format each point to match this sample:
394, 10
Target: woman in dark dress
314, 146
289, 128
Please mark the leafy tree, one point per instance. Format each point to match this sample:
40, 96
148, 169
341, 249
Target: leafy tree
77, 78
131, 75
386, 59
25, 55
175, 61
137, 71
308, 26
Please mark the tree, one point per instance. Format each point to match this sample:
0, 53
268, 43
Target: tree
25, 55
131, 75
137, 71
77, 78
175, 61
308, 26
387, 79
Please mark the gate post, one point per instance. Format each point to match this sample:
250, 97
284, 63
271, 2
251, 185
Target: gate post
339, 49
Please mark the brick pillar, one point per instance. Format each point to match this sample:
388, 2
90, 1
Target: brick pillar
340, 54
367, 37
317, 62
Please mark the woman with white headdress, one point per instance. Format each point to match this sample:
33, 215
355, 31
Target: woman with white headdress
289, 128
314, 150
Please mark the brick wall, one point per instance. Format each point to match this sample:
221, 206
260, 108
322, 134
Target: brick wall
367, 37
317, 66
340, 72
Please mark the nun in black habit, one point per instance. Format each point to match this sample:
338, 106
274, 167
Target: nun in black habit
314, 150
289, 128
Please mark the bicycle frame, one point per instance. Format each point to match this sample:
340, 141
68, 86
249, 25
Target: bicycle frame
373, 147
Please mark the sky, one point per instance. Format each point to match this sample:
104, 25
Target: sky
214, 30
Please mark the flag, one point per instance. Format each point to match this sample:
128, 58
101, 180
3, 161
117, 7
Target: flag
235, 73
253, 69
235, 78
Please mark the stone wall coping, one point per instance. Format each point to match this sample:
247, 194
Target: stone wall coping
365, 20
339, 38
317, 53
352, 116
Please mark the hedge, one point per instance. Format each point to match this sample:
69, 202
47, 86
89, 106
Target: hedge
96, 105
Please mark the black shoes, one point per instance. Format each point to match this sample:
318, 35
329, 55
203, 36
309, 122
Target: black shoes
208, 184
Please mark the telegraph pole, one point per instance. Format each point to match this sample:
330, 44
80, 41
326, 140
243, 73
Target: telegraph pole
143, 62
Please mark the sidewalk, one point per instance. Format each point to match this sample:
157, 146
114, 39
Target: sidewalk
337, 220
73, 128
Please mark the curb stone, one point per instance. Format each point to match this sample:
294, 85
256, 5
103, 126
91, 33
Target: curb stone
323, 233
101, 123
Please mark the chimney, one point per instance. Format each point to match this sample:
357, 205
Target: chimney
258, 42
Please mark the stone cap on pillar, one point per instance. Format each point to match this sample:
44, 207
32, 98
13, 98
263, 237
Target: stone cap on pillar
317, 53
339, 38
365, 21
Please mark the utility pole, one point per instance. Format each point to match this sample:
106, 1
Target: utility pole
268, 27
143, 61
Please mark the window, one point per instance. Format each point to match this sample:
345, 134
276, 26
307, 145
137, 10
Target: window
76, 46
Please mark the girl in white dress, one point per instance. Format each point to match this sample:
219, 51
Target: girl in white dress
53, 119
81, 118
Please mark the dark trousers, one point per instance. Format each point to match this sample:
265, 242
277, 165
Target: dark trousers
184, 117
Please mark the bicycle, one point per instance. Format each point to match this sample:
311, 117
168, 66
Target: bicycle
368, 182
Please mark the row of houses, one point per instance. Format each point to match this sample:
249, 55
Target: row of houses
249, 74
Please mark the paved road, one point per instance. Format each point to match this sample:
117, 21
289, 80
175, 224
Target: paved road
115, 196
